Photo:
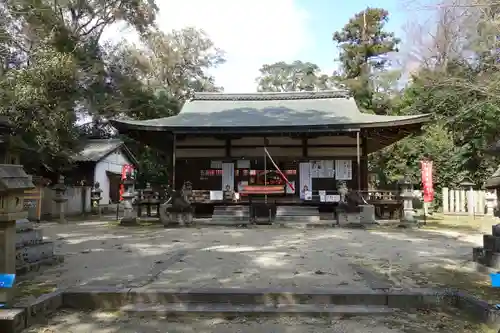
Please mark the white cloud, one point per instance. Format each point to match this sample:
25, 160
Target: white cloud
251, 32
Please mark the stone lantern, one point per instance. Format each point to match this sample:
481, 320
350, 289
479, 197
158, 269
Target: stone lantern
13, 183
406, 194
95, 198
128, 201
491, 202
148, 198
469, 187
60, 198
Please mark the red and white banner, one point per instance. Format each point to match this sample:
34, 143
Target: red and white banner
126, 169
428, 189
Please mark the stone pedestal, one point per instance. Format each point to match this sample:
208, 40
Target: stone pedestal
129, 217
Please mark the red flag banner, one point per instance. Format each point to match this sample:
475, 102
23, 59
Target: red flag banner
428, 189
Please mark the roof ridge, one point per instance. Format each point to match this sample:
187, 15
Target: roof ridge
266, 96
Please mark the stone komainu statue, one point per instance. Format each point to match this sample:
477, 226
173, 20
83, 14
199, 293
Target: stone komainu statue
177, 209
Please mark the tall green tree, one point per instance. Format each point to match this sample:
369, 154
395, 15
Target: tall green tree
364, 46
296, 76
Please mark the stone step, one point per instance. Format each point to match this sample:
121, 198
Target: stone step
296, 211
34, 253
230, 217
29, 237
231, 208
229, 212
304, 219
226, 222
109, 298
179, 309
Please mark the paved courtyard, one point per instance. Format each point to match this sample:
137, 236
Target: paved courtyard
101, 253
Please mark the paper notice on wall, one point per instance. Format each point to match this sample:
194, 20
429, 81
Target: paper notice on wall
322, 169
243, 164
343, 169
290, 189
216, 195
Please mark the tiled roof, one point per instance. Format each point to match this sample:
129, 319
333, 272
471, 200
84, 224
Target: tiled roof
213, 111
97, 149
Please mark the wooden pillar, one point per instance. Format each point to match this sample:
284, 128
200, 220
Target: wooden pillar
364, 164
174, 144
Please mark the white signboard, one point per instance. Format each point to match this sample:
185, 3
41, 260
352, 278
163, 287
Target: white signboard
343, 169
216, 195
322, 169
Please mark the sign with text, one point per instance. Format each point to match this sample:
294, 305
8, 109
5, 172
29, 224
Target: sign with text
428, 189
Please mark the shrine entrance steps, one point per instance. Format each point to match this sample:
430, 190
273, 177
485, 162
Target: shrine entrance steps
279, 215
297, 215
230, 215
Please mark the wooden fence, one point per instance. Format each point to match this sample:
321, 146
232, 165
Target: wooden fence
466, 201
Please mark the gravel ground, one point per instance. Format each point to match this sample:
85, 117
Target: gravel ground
101, 253
99, 322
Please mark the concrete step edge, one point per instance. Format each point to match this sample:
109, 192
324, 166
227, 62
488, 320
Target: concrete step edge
241, 310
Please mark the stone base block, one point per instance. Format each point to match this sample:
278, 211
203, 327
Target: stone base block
491, 243
34, 253
182, 219
367, 215
129, 221
346, 219
495, 230
28, 237
40, 308
12, 320
477, 253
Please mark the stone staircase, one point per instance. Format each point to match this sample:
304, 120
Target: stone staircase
230, 215
297, 215
32, 251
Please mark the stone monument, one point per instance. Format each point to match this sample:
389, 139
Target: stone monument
60, 198
129, 218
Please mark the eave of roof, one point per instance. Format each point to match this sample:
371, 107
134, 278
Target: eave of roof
96, 149
212, 113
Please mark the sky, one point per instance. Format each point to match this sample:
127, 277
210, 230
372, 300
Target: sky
257, 32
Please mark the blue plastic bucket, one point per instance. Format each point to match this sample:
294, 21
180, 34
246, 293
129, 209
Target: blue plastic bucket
495, 280
7, 280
